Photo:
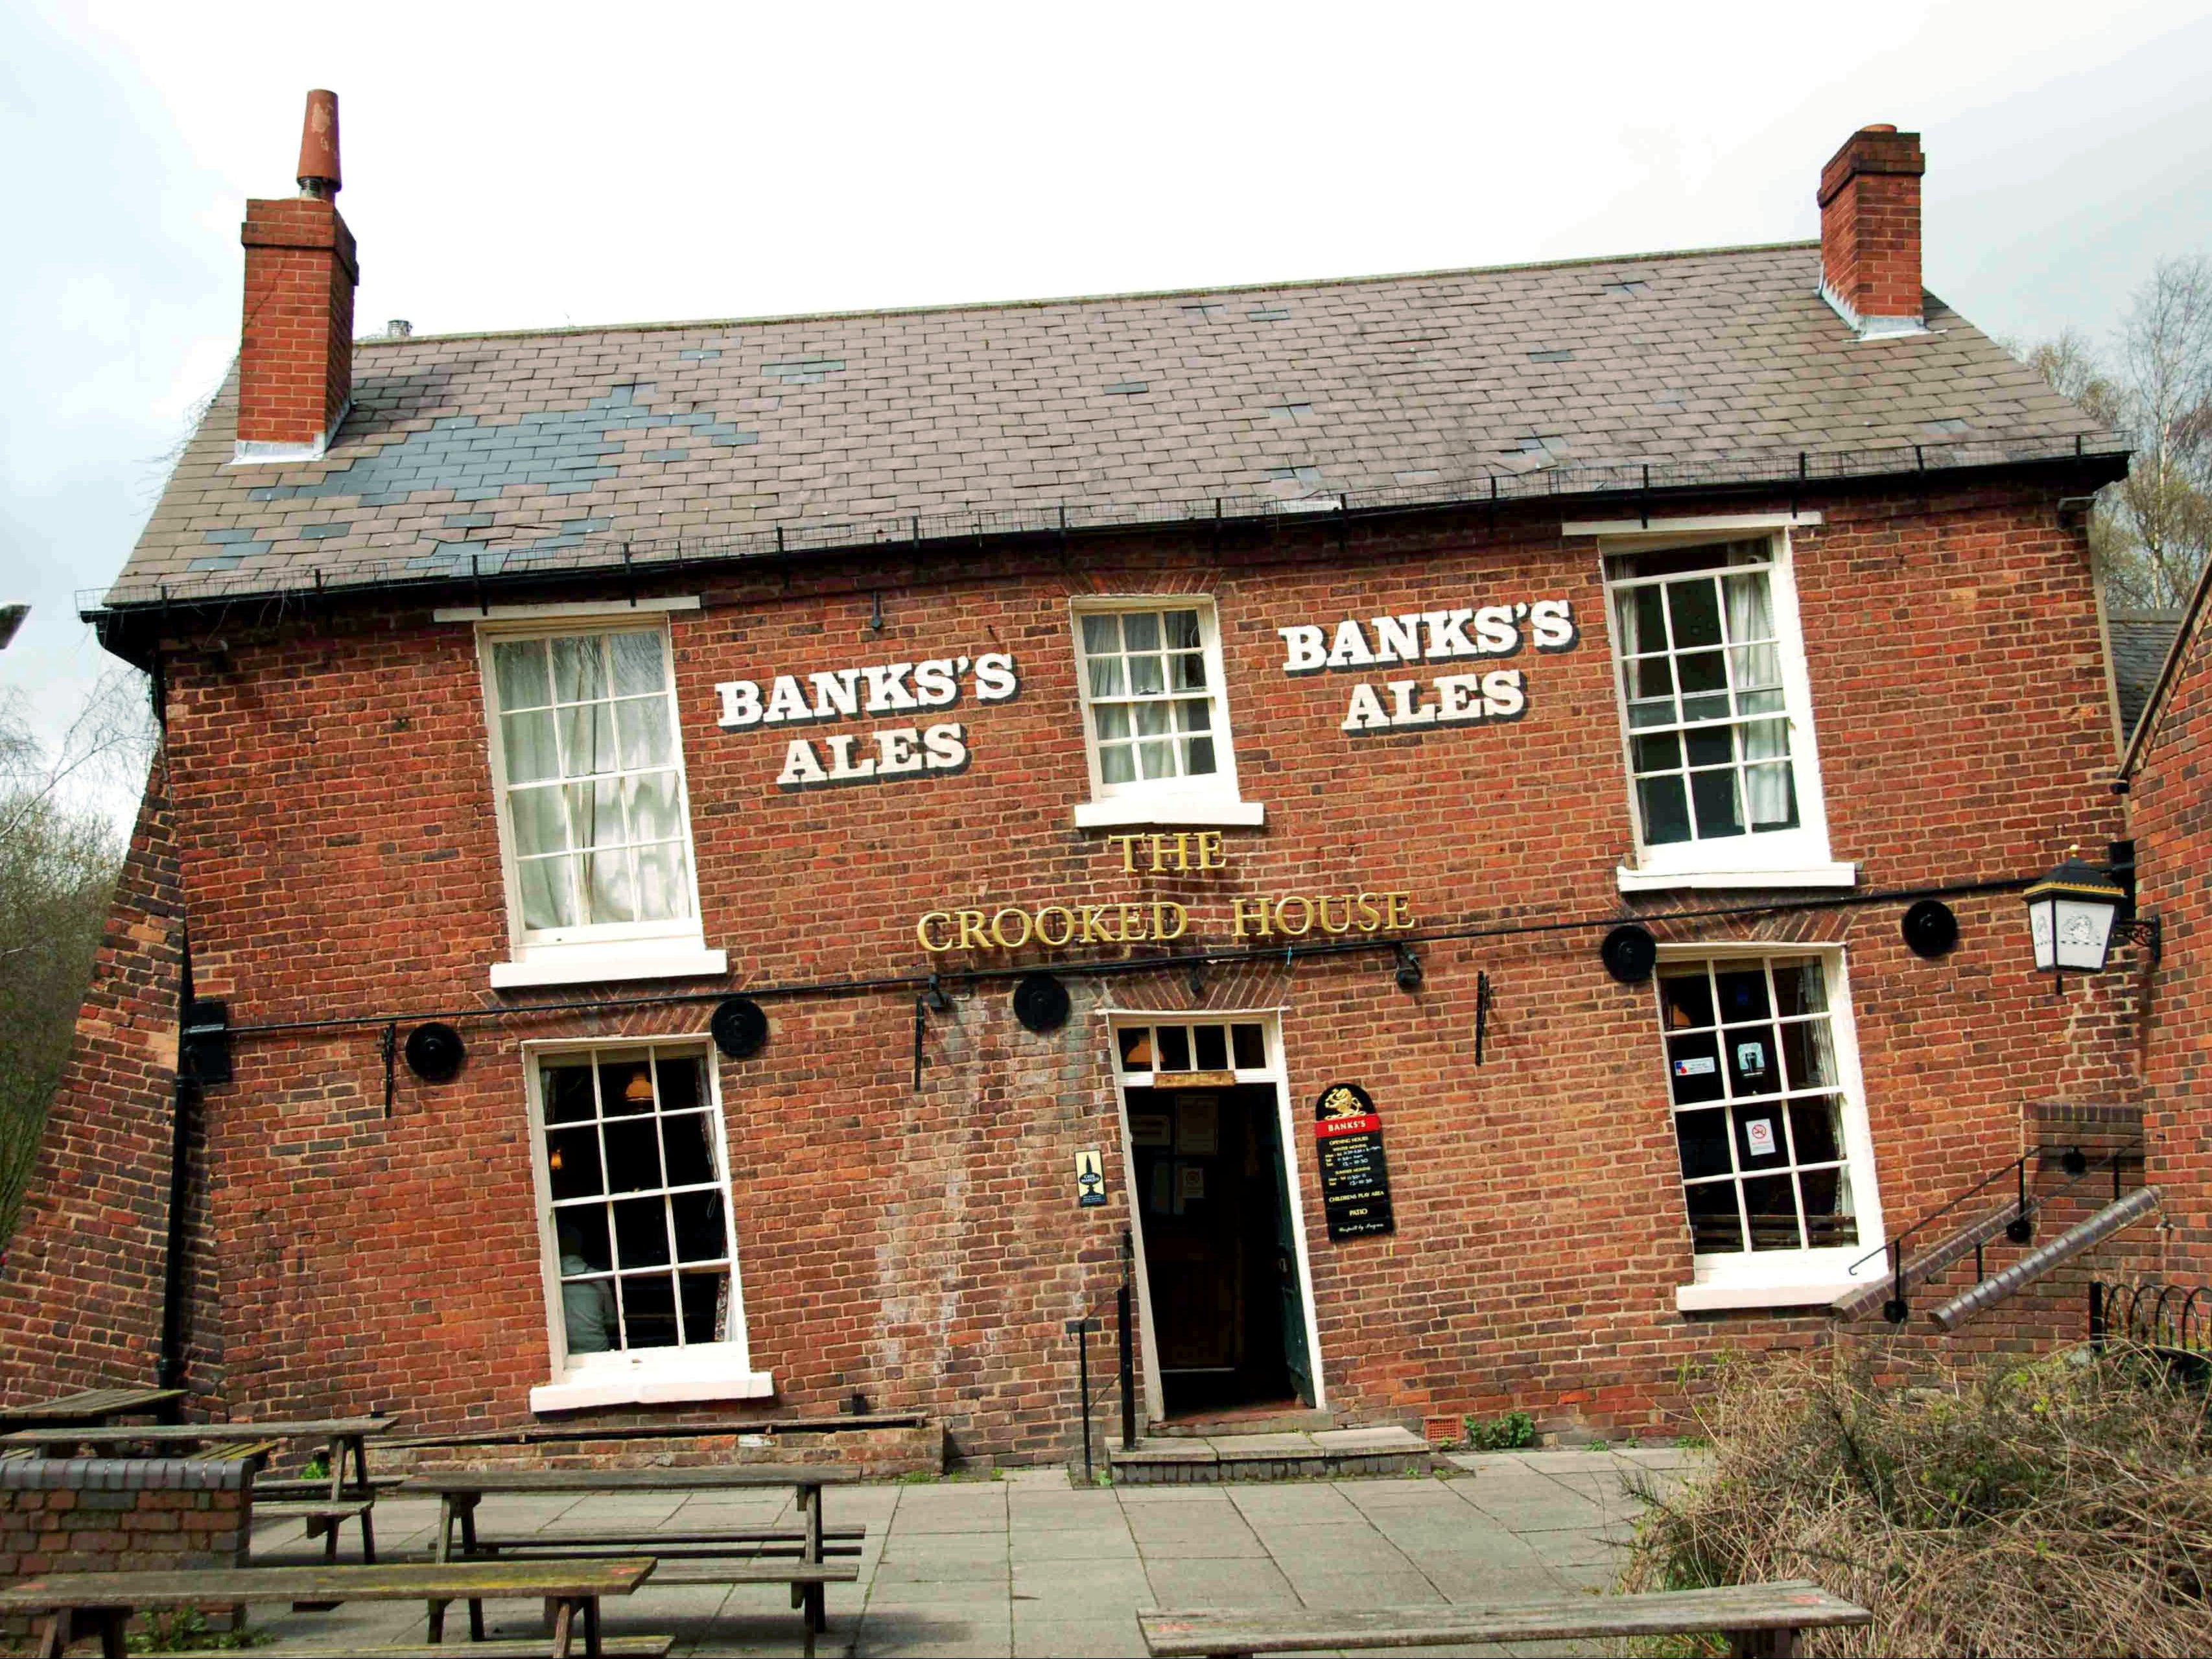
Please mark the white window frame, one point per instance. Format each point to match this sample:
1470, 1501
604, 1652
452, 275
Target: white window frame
1163, 801
1783, 1278
675, 949
709, 1370
1775, 858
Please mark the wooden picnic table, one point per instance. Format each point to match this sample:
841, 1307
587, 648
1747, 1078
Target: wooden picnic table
82, 1602
459, 1491
343, 1438
92, 1407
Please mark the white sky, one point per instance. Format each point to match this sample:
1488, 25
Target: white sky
520, 164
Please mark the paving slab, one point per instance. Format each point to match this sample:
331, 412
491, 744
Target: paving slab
1299, 1504
1112, 1541
1108, 1636
1066, 1589
1402, 1588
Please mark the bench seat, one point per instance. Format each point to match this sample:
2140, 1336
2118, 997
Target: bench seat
615, 1647
84, 1602
764, 1543
753, 1572
311, 1509
1757, 1618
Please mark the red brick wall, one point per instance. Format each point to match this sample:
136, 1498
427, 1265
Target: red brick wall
80, 1283
341, 858
296, 360
2170, 810
120, 1514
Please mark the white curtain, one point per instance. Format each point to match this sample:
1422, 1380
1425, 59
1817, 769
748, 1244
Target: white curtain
1751, 618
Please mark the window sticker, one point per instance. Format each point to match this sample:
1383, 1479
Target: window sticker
1695, 1065
1198, 1125
1751, 1059
1758, 1134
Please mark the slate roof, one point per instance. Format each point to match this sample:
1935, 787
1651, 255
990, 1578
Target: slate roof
2136, 642
560, 446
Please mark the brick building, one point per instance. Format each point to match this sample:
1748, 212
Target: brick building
1093, 733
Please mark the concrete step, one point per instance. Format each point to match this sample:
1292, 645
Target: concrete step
1311, 1455
1205, 1427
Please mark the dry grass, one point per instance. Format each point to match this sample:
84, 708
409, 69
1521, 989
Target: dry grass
2065, 1507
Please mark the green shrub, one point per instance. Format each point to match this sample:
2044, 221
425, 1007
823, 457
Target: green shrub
1506, 1433
184, 1630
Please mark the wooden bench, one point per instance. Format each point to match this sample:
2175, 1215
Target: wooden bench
614, 1647
764, 1543
92, 1407
1758, 1619
74, 1603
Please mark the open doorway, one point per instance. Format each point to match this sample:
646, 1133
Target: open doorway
1227, 1320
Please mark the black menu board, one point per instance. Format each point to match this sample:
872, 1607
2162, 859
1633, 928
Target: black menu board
1355, 1186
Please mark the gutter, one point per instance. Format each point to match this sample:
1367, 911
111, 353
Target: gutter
478, 569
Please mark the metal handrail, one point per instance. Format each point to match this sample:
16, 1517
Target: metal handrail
1081, 1329
2018, 1229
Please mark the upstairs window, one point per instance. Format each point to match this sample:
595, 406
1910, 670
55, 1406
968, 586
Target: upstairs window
1722, 775
588, 773
1155, 719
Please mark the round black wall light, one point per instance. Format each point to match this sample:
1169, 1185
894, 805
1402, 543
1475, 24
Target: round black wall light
1628, 953
739, 1027
435, 1052
1040, 1003
1930, 929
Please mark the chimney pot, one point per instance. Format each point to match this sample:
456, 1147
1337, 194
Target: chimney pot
398, 329
317, 174
1869, 201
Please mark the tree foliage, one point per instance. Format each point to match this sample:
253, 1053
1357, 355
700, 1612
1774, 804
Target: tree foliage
59, 856
2151, 531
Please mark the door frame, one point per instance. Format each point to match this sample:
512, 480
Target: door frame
1275, 1073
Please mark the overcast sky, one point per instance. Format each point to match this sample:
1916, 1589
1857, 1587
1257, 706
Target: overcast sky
514, 166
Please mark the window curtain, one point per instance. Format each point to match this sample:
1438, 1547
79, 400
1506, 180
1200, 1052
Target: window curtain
1623, 612
1751, 618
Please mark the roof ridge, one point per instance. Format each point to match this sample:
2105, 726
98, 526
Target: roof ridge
1300, 283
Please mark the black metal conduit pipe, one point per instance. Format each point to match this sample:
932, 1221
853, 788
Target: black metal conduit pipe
1142, 964
184, 1094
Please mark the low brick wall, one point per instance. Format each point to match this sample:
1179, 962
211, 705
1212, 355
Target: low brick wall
121, 1514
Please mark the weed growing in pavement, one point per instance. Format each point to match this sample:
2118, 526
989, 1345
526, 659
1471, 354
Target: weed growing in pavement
1506, 1433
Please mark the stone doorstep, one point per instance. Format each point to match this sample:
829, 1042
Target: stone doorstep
1327, 1454
1204, 1428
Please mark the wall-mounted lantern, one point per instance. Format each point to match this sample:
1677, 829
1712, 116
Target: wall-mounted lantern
2075, 913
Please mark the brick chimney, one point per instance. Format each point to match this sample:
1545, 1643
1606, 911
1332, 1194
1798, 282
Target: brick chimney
295, 360
1870, 232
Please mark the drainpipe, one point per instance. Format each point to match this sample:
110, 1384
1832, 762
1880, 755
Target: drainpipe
185, 1096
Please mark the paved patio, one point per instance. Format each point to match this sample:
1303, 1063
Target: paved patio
1028, 1564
